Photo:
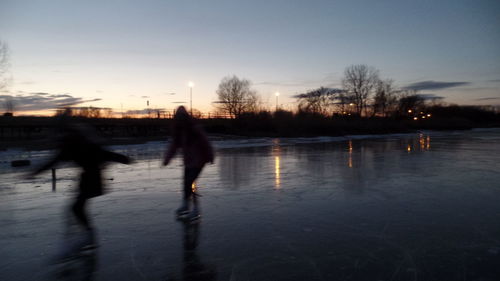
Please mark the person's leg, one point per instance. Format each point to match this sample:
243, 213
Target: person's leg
186, 194
82, 218
78, 209
75, 242
190, 175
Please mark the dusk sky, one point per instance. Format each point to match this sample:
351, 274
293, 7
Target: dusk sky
123, 53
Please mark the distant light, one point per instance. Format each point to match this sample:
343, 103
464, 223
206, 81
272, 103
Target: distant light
415, 118
429, 115
423, 117
191, 84
277, 93
351, 104
409, 110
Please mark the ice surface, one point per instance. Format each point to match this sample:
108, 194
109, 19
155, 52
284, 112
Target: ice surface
396, 207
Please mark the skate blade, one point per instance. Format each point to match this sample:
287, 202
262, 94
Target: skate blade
89, 247
189, 219
69, 256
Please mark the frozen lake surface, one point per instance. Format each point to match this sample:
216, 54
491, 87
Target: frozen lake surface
395, 207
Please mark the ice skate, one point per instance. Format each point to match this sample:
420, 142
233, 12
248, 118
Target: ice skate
193, 216
75, 247
182, 210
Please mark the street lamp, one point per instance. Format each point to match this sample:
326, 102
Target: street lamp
277, 95
191, 85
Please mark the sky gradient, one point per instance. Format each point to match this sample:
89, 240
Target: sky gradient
122, 53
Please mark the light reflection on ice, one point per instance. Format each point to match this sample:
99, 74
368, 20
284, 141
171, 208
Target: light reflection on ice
300, 203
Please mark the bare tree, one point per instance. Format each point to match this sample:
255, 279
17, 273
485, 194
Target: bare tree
410, 103
385, 98
236, 96
318, 101
345, 103
359, 82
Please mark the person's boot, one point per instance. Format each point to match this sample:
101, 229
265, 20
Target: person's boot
194, 214
183, 209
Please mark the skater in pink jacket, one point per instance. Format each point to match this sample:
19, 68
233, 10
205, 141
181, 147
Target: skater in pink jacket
197, 151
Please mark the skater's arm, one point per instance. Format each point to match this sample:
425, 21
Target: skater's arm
206, 147
46, 166
208, 150
170, 152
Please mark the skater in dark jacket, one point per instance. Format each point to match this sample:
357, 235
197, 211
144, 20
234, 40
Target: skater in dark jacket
76, 145
197, 151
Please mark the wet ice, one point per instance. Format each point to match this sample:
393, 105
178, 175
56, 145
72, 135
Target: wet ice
401, 207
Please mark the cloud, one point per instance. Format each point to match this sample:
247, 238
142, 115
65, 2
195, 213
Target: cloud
493, 80
326, 80
489, 98
284, 84
430, 97
42, 101
61, 96
144, 111
319, 92
434, 85
27, 82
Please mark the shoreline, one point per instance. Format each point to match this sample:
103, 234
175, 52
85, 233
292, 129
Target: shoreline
40, 145
38, 133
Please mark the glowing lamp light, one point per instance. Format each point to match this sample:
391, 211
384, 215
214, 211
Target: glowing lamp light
277, 94
415, 118
351, 104
409, 110
191, 84
429, 115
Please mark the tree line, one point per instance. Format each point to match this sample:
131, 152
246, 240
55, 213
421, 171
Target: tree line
363, 94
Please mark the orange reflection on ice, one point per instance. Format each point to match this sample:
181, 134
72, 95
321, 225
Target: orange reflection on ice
349, 163
277, 171
422, 142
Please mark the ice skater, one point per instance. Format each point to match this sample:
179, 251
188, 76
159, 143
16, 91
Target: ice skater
76, 145
196, 150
